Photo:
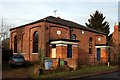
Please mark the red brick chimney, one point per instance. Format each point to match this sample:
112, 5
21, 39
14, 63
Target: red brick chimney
116, 27
58, 17
115, 34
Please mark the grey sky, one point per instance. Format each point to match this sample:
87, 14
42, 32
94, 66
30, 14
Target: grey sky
25, 11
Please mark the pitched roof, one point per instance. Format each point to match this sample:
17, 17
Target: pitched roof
63, 22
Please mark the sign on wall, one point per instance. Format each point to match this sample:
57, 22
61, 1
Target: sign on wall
53, 52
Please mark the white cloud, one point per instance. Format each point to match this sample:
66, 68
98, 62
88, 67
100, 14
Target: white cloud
24, 11
59, 0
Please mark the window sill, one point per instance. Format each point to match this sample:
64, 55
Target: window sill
23, 53
14, 53
53, 57
34, 53
19, 53
90, 54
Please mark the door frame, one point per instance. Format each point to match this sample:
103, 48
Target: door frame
98, 54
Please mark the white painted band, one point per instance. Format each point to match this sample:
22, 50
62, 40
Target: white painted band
63, 42
34, 53
101, 46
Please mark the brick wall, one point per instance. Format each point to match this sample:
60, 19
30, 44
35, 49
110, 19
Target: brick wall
61, 52
104, 55
115, 43
25, 39
48, 31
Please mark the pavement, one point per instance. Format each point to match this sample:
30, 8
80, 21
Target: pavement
92, 74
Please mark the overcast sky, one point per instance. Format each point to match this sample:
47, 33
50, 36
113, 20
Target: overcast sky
24, 11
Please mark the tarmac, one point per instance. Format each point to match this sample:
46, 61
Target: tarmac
92, 74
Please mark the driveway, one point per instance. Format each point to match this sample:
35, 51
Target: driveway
17, 72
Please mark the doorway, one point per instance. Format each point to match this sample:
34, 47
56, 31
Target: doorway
98, 54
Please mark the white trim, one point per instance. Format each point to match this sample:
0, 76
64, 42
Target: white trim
101, 46
61, 45
23, 53
63, 42
34, 53
19, 53
74, 45
14, 53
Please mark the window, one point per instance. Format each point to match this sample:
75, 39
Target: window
99, 39
90, 45
73, 37
54, 51
69, 51
35, 42
15, 44
90, 50
58, 32
90, 41
83, 32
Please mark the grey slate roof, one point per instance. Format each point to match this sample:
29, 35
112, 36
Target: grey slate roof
63, 22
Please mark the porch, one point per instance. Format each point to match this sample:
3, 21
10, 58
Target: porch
64, 50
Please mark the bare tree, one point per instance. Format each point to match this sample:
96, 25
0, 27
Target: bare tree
114, 50
4, 29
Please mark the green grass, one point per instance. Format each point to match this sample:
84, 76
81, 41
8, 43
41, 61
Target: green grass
85, 70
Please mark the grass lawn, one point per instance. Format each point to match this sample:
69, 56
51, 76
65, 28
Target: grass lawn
82, 71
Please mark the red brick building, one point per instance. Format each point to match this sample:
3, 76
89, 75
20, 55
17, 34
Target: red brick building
114, 42
59, 38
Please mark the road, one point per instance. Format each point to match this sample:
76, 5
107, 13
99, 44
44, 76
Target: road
105, 76
109, 75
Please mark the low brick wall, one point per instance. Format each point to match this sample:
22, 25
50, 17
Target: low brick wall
70, 62
55, 62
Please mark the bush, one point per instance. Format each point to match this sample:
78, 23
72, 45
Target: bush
64, 68
6, 54
71, 68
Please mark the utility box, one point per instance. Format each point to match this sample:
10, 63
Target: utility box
48, 64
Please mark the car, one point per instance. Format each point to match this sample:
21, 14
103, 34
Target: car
17, 60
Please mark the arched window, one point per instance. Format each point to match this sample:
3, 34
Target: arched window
35, 42
73, 37
90, 45
90, 41
15, 44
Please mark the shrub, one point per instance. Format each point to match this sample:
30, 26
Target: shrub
62, 68
6, 54
71, 68
41, 56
